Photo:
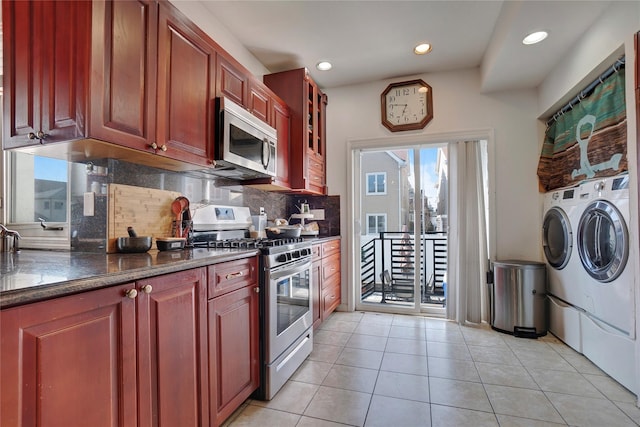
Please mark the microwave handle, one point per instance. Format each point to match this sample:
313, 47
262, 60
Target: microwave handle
266, 149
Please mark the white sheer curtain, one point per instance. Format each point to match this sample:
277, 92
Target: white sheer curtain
467, 258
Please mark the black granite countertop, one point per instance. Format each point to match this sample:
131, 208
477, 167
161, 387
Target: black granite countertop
33, 275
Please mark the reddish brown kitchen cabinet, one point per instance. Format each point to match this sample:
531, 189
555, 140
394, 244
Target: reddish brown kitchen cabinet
124, 72
46, 48
153, 81
232, 80
307, 137
259, 101
325, 280
109, 357
186, 89
330, 288
234, 352
316, 283
172, 349
280, 120
70, 359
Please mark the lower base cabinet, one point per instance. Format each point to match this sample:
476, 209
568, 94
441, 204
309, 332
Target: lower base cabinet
234, 352
326, 280
128, 355
155, 352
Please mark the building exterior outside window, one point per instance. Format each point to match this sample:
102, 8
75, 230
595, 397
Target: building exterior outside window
377, 183
376, 223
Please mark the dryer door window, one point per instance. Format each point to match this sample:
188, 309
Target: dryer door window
603, 241
557, 238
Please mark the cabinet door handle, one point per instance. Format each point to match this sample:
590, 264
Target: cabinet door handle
234, 275
147, 289
156, 147
131, 293
31, 136
41, 135
256, 290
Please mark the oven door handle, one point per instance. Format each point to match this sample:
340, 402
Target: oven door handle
290, 270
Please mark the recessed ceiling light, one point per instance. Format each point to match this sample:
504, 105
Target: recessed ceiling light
422, 48
324, 65
535, 37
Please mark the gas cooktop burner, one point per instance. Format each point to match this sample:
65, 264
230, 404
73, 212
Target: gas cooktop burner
248, 243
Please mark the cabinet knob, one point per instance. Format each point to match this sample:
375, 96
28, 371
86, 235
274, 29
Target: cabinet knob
131, 293
157, 147
147, 289
41, 135
31, 136
256, 290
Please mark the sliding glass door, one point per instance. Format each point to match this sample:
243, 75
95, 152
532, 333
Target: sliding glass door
402, 205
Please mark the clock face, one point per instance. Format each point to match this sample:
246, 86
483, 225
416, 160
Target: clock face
407, 105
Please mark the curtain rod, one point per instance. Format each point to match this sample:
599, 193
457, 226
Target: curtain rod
620, 63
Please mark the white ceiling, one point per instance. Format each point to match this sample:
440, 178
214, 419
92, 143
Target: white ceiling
374, 40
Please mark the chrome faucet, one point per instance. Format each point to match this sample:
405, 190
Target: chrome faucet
5, 234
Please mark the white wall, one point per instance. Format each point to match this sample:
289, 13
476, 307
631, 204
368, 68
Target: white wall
353, 112
609, 38
203, 18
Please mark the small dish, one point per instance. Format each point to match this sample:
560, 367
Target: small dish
170, 243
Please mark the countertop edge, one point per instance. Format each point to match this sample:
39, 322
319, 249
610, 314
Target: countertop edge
23, 296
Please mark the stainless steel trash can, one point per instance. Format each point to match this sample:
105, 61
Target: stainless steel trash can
518, 298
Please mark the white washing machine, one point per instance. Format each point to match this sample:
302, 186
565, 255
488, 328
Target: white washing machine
566, 296
603, 247
602, 244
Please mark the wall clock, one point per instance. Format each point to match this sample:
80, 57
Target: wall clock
406, 105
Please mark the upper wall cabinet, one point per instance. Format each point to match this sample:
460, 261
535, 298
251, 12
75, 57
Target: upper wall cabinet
136, 74
259, 101
45, 52
153, 80
232, 82
124, 72
186, 88
308, 123
151, 74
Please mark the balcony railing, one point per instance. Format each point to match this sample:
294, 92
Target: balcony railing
388, 265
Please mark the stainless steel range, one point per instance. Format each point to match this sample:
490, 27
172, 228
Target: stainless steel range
285, 283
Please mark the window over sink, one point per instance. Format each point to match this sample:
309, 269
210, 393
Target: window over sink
37, 191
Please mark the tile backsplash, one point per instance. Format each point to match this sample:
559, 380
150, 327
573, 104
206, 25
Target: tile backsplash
89, 233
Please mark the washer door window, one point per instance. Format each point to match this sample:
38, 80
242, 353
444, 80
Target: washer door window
603, 241
557, 238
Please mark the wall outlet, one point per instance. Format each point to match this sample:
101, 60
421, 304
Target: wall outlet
89, 204
317, 214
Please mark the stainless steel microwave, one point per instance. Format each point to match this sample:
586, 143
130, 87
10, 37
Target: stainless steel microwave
246, 146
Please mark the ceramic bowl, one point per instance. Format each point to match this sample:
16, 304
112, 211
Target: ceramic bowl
133, 244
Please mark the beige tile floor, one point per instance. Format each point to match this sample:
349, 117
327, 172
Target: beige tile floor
371, 369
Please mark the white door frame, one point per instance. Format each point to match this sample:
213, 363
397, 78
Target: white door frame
353, 192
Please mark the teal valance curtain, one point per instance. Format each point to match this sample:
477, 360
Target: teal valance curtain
589, 140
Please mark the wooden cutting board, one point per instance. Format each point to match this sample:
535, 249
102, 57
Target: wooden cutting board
147, 210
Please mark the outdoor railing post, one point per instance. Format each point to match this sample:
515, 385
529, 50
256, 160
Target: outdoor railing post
383, 266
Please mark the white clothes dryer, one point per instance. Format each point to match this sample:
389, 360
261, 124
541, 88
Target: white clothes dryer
559, 226
565, 296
